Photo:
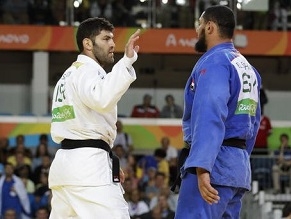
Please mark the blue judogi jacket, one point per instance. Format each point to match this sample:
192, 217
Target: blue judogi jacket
221, 102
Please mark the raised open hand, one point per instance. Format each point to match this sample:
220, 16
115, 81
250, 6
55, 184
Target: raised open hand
130, 46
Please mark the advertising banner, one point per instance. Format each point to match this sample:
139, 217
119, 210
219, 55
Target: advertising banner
158, 41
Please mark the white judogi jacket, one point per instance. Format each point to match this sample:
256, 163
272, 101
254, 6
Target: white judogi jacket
84, 106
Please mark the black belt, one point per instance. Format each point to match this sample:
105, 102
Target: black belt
231, 142
68, 144
184, 153
235, 142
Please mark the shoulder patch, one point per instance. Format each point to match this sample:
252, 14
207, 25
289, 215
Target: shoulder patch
77, 64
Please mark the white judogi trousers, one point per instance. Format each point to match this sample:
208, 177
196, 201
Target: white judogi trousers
82, 187
89, 202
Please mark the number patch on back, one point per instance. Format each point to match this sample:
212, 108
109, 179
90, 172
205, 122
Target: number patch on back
248, 96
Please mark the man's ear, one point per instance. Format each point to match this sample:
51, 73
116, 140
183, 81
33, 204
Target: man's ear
87, 44
210, 27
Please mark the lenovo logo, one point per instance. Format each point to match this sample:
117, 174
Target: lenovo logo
14, 38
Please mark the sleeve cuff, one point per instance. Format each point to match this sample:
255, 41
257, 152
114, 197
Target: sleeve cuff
129, 61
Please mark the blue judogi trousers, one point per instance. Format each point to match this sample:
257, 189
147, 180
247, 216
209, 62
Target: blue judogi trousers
191, 205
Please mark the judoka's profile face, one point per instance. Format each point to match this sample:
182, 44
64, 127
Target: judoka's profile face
201, 45
103, 48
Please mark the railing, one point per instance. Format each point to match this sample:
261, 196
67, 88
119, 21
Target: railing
262, 202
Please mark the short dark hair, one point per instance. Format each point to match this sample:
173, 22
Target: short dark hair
90, 28
159, 152
224, 17
169, 96
8, 164
160, 174
284, 135
43, 207
43, 137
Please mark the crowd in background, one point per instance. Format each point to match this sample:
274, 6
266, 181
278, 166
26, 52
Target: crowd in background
132, 13
24, 170
24, 177
148, 110
148, 177
273, 170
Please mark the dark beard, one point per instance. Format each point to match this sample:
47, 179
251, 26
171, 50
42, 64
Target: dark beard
200, 45
100, 56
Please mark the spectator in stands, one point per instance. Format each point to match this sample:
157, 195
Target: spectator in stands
263, 99
41, 151
20, 146
163, 164
279, 15
283, 163
132, 171
170, 198
101, 8
148, 178
46, 200
131, 161
4, 145
156, 213
44, 139
14, 195
171, 157
265, 130
169, 15
146, 109
59, 11
122, 17
137, 207
42, 191
10, 214
15, 12
162, 209
146, 162
42, 213
153, 189
120, 153
40, 13
20, 140
19, 159
24, 173
123, 138
171, 109
171, 151
42, 168
130, 174
261, 20
127, 189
